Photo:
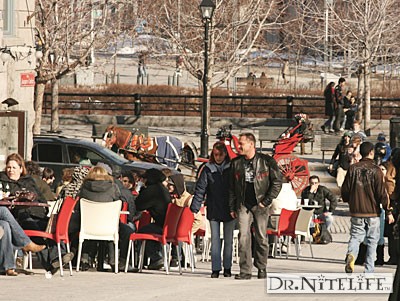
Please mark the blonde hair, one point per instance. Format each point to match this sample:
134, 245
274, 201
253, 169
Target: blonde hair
98, 173
356, 139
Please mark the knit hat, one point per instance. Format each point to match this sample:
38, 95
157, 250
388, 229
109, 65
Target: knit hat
347, 134
381, 137
154, 175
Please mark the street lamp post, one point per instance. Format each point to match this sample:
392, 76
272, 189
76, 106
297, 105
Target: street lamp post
326, 40
207, 9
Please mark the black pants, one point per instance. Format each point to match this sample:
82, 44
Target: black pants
50, 254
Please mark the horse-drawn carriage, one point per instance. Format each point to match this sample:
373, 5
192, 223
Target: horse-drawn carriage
165, 150
171, 151
294, 169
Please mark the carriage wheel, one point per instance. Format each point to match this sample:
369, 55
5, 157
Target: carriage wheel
295, 170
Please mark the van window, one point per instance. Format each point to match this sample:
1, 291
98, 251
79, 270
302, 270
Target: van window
47, 153
83, 156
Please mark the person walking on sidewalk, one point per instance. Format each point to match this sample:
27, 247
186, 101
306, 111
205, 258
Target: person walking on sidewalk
329, 95
255, 181
212, 186
339, 112
363, 188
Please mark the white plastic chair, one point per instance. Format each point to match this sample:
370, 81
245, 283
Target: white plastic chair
99, 221
303, 228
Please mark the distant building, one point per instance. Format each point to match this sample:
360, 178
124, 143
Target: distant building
17, 77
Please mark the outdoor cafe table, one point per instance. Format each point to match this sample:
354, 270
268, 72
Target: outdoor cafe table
27, 204
309, 207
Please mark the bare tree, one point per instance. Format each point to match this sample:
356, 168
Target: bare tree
362, 30
68, 31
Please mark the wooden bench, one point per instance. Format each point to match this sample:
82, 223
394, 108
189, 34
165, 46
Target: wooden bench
328, 144
274, 128
258, 81
270, 133
99, 129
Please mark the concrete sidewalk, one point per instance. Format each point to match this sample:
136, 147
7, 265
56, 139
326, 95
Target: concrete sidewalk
155, 285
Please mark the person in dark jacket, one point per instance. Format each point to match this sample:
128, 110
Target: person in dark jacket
99, 186
15, 178
212, 187
341, 158
33, 169
364, 190
318, 194
339, 102
154, 197
254, 182
329, 95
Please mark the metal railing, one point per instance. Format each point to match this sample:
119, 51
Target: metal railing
221, 106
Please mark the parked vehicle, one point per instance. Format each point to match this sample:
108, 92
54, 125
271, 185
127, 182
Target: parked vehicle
58, 152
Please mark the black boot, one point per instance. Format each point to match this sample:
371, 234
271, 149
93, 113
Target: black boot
361, 254
380, 255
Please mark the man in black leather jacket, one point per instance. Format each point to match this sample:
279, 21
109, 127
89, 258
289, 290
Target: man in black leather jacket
255, 182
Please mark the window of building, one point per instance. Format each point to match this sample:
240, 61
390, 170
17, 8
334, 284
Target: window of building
8, 17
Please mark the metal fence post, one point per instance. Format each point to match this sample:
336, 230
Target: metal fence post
137, 105
289, 107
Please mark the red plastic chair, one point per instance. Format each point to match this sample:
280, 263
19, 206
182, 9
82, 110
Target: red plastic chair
184, 235
169, 230
144, 220
286, 227
124, 217
61, 233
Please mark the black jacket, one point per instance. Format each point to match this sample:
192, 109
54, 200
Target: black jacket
25, 182
364, 190
154, 198
267, 181
322, 194
213, 187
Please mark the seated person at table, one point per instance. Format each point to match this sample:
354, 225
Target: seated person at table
154, 197
99, 186
33, 217
12, 236
318, 195
33, 169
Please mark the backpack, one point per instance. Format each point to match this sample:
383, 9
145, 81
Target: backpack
321, 235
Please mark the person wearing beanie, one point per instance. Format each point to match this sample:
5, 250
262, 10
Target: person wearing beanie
154, 197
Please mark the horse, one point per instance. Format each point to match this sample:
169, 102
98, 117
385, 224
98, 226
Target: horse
165, 150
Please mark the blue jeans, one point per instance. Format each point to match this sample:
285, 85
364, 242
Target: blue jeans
381, 241
364, 228
14, 236
216, 244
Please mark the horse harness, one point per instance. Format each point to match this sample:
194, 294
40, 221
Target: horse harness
133, 142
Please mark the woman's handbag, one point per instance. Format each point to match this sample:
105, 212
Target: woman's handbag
25, 196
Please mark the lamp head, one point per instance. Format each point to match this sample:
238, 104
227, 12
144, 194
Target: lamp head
207, 8
10, 102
